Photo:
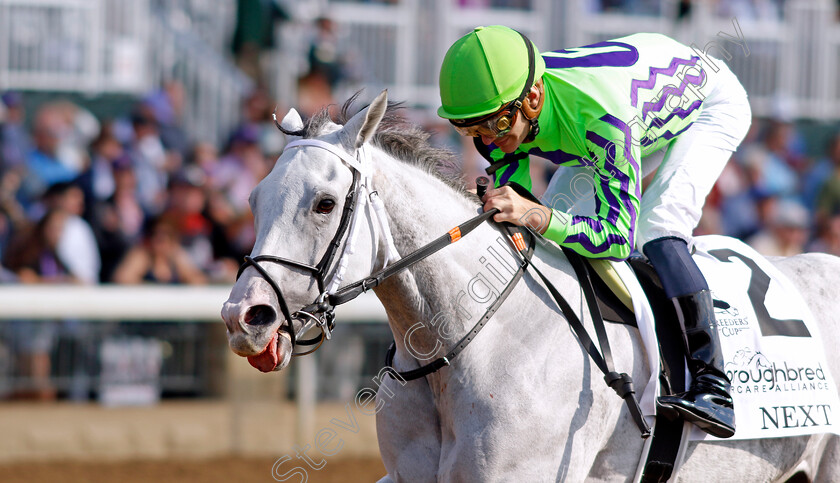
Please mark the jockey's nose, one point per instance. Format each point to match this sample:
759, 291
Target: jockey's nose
488, 140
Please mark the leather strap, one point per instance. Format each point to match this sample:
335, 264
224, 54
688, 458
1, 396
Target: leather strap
621, 383
437, 364
348, 293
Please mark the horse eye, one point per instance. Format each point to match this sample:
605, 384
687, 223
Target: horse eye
325, 206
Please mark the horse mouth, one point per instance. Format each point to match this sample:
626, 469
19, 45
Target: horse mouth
275, 356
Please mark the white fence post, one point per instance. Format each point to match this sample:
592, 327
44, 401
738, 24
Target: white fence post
306, 389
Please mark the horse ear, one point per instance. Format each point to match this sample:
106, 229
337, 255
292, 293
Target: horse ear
361, 128
292, 121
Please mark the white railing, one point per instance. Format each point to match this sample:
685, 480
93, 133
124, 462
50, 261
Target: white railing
51, 44
121, 46
125, 46
149, 303
213, 86
142, 302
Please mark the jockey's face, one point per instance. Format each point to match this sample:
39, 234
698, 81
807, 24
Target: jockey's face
520, 127
510, 141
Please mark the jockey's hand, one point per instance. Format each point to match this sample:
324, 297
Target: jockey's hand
516, 209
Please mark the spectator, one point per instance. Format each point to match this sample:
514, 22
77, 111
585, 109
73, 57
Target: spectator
15, 143
325, 53
257, 110
187, 202
97, 181
254, 33
34, 256
820, 172
786, 232
206, 157
770, 165
43, 165
736, 202
118, 221
80, 128
167, 107
827, 202
150, 161
828, 240
76, 245
37, 256
226, 236
159, 258
328, 68
241, 168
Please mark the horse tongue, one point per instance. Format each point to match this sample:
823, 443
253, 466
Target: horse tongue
269, 358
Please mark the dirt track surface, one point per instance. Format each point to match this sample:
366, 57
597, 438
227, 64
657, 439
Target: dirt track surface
221, 470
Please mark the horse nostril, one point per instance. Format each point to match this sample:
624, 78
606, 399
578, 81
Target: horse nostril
260, 315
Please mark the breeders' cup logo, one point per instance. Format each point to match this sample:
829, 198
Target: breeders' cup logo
729, 319
753, 372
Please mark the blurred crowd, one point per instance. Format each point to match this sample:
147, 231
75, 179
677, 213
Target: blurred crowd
777, 198
130, 199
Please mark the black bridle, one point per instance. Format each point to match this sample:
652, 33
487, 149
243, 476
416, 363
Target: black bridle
322, 316
321, 313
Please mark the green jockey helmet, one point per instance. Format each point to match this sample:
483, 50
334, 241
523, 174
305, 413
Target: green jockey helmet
483, 70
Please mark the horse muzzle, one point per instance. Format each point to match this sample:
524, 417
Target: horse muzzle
258, 327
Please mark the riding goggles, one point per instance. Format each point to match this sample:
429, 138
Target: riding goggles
495, 125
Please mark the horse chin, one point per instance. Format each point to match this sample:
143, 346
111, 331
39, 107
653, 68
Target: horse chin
275, 356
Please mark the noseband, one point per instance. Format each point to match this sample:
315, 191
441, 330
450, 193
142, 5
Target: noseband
321, 313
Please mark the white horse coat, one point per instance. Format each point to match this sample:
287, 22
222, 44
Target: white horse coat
523, 402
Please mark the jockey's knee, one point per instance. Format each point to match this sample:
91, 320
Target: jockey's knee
672, 261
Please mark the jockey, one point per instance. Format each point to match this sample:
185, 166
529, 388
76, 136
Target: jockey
609, 114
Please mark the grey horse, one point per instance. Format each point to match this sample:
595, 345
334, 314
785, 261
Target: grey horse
523, 402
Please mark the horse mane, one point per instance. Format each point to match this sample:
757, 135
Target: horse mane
396, 136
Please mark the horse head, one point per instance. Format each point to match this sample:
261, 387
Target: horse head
303, 219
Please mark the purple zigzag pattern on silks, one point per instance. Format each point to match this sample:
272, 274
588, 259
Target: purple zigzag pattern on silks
604, 176
584, 241
669, 71
669, 135
681, 113
559, 157
596, 224
667, 91
610, 163
509, 170
593, 223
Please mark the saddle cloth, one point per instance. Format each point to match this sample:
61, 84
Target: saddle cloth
773, 353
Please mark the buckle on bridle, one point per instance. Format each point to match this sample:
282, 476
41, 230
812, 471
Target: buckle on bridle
318, 314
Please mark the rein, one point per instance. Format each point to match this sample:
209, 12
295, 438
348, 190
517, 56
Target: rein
321, 313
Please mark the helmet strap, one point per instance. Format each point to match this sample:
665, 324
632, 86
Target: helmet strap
533, 131
535, 126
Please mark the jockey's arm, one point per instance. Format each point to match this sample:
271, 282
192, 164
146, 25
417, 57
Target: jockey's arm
614, 171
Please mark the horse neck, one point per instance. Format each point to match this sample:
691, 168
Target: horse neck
421, 208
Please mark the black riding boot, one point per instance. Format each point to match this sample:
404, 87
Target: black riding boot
707, 402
